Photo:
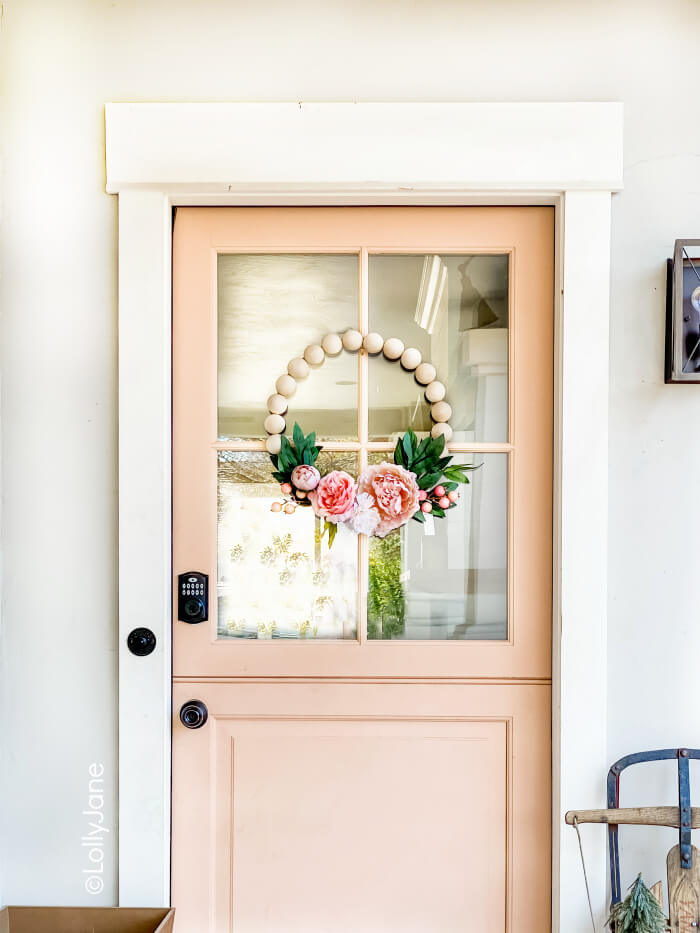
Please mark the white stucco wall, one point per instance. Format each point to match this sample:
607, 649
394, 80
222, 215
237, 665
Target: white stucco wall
60, 62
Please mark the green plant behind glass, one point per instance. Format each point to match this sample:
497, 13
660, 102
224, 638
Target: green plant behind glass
386, 608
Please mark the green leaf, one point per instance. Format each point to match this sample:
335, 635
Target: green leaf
438, 512
332, 530
281, 477
298, 436
316, 452
423, 456
438, 445
407, 446
429, 480
311, 440
308, 456
286, 448
287, 455
273, 457
457, 472
424, 444
418, 517
398, 454
450, 487
467, 467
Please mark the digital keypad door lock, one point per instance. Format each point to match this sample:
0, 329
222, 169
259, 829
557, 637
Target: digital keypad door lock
193, 597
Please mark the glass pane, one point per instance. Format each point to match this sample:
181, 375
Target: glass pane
276, 578
454, 310
447, 579
270, 308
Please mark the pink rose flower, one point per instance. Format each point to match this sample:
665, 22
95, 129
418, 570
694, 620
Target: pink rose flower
334, 497
305, 477
395, 494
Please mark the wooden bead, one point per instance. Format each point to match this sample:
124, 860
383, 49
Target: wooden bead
373, 343
298, 368
273, 444
332, 344
425, 373
274, 424
286, 386
435, 392
352, 340
314, 354
411, 358
277, 404
442, 429
393, 348
441, 411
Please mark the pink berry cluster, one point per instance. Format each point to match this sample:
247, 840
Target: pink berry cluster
290, 506
438, 496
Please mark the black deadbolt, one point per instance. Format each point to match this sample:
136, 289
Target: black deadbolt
193, 714
141, 642
193, 597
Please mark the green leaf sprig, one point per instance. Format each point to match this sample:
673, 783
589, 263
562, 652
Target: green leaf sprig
432, 468
640, 912
303, 451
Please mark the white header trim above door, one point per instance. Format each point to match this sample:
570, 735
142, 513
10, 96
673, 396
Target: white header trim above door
364, 148
567, 155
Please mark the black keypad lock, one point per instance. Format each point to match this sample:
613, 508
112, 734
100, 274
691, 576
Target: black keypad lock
193, 597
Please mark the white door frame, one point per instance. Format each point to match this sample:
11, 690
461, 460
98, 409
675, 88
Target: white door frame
163, 155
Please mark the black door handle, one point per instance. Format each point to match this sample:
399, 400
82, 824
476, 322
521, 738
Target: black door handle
193, 714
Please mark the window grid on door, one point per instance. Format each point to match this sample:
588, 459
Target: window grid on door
363, 447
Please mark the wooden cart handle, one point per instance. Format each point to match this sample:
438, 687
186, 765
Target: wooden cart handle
634, 816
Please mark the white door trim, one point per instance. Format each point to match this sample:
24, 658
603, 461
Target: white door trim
162, 155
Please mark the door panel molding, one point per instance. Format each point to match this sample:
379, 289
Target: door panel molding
201, 758
161, 155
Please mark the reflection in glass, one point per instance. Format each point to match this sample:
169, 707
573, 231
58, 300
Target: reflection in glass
454, 309
270, 308
276, 577
447, 579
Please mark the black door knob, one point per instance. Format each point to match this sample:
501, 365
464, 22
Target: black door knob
193, 714
141, 642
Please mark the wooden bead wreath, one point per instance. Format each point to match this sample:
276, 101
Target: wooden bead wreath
352, 340
420, 481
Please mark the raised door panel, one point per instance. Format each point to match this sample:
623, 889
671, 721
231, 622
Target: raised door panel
362, 807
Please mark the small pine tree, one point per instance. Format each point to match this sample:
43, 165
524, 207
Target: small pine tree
640, 912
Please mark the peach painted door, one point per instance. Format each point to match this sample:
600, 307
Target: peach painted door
376, 754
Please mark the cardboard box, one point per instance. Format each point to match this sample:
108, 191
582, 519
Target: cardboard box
86, 920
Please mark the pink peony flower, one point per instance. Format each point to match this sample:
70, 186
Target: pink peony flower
395, 494
365, 516
305, 477
334, 497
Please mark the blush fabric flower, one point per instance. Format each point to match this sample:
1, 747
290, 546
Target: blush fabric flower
365, 516
305, 477
394, 492
334, 497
